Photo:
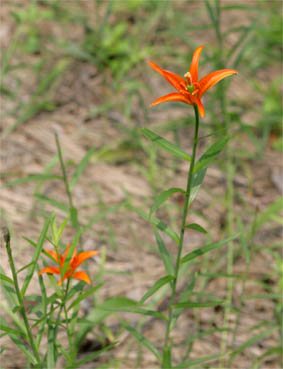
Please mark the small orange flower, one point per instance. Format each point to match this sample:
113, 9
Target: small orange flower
190, 90
75, 261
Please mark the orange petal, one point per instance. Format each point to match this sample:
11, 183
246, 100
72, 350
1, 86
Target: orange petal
53, 254
81, 276
176, 81
212, 78
173, 97
194, 65
200, 107
82, 256
50, 270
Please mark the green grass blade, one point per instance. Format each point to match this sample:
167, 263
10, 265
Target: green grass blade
166, 257
160, 225
23, 348
166, 145
84, 295
157, 285
55, 203
100, 215
9, 331
91, 357
195, 362
139, 337
269, 212
36, 254
80, 168
161, 198
193, 304
210, 154
254, 339
32, 177
196, 227
60, 230
3, 277
198, 178
194, 254
133, 309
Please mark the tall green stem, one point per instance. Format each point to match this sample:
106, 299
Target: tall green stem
166, 348
30, 336
73, 210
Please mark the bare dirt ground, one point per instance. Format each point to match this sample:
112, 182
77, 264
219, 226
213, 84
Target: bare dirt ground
30, 148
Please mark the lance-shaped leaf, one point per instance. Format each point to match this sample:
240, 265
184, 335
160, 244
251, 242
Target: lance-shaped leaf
8, 330
36, 254
251, 341
161, 198
196, 227
202, 250
210, 154
166, 257
33, 177
157, 285
139, 337
80, 168
123, 304
166, 145
193, 304
196, 183
160, 225
191, 363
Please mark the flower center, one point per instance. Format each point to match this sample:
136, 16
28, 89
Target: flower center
190, 86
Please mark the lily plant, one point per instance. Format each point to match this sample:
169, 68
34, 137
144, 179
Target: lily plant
190, 90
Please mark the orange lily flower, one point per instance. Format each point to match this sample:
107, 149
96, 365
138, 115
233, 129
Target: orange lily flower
75, 261
190, 90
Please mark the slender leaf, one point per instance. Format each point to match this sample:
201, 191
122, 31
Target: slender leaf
23, 348
6, 279
210, 154
254, 339
100, 215
165, 145
132, 309
198, 178
207, 332
191, 363
80, 168
161, 198
193, 304
196, 227
25, 267
160, 225
194, 254
36, 254
269, 212
139, 337
32, 177
157, 285
84, 295
60, 230
9, 330
55, 203
166, 257
91, 356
